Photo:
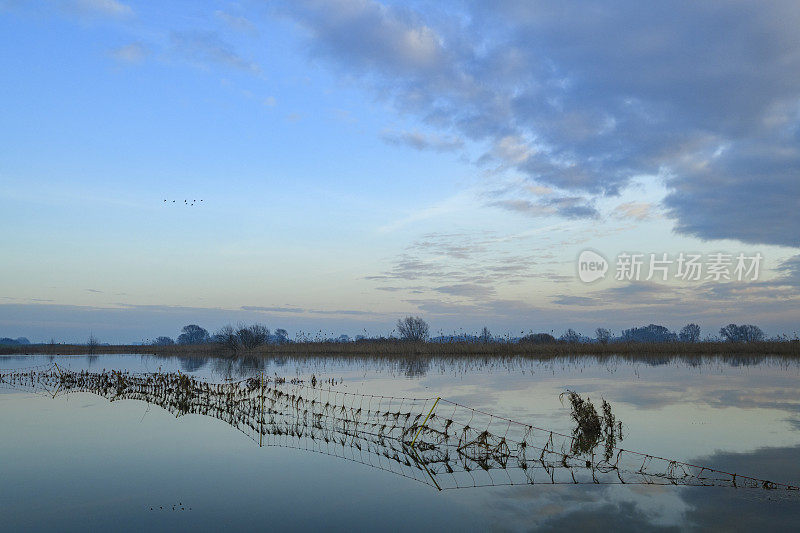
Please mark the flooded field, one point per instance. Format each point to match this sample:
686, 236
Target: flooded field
135, 442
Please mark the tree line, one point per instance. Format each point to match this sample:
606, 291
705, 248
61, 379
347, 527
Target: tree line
242, 336
416, 329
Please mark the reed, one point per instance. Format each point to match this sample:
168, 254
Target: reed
389, 348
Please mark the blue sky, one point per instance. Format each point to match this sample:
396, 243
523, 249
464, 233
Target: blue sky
358, 161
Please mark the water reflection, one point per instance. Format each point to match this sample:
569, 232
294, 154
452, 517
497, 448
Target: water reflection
192, 364
435, 441
81, 463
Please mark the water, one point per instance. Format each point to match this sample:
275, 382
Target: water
78, 462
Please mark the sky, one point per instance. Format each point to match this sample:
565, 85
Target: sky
330, 166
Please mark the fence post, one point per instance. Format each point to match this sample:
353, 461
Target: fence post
425, 421
261, 421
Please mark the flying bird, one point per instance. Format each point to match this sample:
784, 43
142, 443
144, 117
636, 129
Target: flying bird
185, 201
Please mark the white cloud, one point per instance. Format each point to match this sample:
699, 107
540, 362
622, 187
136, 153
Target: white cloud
236, 22
109, 8
130, 53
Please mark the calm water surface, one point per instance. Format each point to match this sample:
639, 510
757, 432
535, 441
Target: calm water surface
78, 462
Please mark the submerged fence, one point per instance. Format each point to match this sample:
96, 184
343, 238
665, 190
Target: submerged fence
431, 440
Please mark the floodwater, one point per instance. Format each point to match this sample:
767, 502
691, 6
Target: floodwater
75, 461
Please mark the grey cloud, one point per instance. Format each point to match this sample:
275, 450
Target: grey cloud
566, 299
567, 207
785, 287
583, 98
791, 270
749, 192
368, 35
131, 322
421, 141
440, 308
617, 516
352, 312
467, 265
205, 47
457, 259
468, 290
641, 293
273, 309
399, 289
775, 463
300, 310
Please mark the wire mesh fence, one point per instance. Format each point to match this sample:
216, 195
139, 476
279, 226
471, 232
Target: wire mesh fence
435, 441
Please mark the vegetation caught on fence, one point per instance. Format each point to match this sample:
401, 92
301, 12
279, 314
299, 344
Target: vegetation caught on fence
432, 440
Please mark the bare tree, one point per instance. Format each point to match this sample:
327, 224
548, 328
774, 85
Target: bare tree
413, 328
193, 334
226, 336
486, 335
163, 341
281, 336
570, 336
689, 333
252, 336
92, 343
603, 335
537, 338
743, 333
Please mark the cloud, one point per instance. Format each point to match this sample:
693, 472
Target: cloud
273, 309
236, 22
346, 312
512, 149
459, 260
300, 310
565, 299
571, 207
774, 463
467, 290
131, 322
713, 195
634, 210
107, 8
642, 293
368, 35
205, 47
130, 53
584, 99
790, 270
421, 141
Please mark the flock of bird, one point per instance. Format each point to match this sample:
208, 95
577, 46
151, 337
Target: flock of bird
186, 202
